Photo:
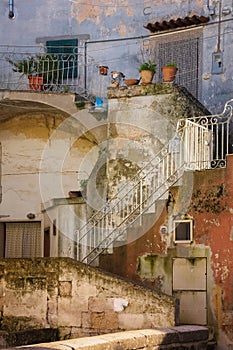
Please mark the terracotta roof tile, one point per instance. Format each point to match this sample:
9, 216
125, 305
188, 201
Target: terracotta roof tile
176, 23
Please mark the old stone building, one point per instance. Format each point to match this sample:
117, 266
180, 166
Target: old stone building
129, 179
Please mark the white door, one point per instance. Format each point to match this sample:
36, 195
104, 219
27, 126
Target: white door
189, 286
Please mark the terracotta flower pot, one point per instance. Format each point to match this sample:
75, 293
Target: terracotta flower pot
131, 81
169, 73
103, 70
35, 82
147, 76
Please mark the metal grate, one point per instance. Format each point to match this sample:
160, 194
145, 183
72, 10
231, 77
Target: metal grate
185, 51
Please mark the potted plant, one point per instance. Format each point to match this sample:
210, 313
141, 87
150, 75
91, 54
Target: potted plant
169, 72
41, 70
147, 71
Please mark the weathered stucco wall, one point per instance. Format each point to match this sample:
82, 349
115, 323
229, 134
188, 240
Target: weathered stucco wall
102, 19
36, 149
78, 300
211, 208
62, 217
149, 258
118, 37
142, 120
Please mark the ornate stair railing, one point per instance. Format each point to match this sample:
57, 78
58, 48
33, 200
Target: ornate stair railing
200, 143
136, 197
207, 139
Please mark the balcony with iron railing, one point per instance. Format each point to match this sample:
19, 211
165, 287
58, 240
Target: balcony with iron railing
47, 69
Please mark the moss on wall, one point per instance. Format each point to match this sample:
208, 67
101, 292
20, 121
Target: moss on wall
77, 299
156, 271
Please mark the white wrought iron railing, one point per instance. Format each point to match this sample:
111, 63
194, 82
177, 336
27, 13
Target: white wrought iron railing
200, 143
54, 69
136, 197
207, 139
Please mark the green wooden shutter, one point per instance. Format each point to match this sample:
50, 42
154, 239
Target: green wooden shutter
67, 52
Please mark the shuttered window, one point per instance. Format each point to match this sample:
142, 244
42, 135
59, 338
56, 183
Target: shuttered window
185, 49
67, 53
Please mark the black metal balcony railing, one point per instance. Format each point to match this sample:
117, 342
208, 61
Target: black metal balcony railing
37, 68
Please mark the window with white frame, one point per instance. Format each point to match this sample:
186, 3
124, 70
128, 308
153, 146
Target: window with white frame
183, 231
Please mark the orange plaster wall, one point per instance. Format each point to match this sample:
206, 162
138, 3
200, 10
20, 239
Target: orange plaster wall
213, 227
211, 208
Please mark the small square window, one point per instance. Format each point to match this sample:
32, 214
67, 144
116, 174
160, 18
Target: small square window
183, 231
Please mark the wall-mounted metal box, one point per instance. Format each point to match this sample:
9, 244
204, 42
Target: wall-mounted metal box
217, 63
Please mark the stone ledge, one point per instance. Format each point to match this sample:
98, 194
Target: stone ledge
187, 336
179, 94
141, 90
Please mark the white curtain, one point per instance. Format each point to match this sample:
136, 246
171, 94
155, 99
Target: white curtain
23, 240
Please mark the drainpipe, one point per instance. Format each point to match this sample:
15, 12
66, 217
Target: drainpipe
11, 9
219, 27
85, 66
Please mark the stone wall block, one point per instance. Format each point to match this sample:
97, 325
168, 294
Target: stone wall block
100, 304
131, 321
69, 314
104, 321
26, 304
52, 313
155, 320
65, 288
86, 319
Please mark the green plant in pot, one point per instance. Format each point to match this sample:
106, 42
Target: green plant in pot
169, 72
41, 70
147, 71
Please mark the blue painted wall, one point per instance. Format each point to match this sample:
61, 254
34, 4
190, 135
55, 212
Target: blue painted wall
111, 23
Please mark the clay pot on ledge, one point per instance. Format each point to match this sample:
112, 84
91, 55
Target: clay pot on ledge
147, 71
36, 83
169, 72
103, 70
130, 82
146, 76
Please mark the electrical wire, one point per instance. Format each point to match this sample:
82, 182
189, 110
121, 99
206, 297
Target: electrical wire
40, 172
109, 5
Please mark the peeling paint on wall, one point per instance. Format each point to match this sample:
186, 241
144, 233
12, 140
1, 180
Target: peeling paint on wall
98, 11
210, 200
